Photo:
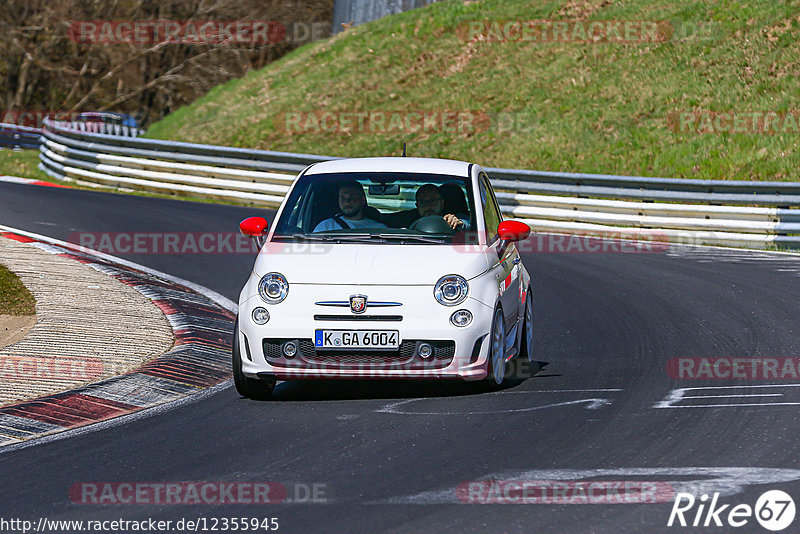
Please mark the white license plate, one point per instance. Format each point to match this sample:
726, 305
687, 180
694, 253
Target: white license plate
356, 339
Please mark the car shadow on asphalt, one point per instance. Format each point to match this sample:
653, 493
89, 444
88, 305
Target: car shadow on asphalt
337, 390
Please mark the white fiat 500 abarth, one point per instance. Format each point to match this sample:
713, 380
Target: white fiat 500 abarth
384, 268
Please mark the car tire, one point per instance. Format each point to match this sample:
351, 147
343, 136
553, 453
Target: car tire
250, 388
495, 361
527, 328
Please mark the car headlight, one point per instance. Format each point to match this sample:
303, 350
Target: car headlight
273, 288
451, 290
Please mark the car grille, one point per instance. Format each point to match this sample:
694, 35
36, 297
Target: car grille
320, 317
404, 358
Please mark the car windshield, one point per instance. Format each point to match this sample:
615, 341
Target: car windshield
378, 207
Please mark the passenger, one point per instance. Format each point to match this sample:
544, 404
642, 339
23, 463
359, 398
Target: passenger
454, 201
430, 202
352, 203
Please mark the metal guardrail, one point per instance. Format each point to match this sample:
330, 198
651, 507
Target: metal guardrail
355, 12
13, 136
750, 214
95, 127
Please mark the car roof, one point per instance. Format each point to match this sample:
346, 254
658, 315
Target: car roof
413, 165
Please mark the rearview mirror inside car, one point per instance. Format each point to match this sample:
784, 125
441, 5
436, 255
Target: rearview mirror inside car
384, 189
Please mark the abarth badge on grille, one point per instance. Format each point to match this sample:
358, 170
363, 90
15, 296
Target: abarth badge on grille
358, 303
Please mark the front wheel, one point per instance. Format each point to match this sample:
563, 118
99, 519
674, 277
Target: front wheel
251, 388
496, 362
527, 328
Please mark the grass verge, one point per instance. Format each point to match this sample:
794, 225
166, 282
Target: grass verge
21, 163
598, 108
15, 299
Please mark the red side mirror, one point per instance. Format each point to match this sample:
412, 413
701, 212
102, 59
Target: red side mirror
254, 227
513, 231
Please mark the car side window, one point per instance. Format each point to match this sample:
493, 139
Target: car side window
491, 213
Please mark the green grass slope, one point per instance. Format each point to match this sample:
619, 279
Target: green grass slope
15, 299
599, 107
21, 163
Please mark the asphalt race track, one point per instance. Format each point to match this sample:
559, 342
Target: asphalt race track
390, 456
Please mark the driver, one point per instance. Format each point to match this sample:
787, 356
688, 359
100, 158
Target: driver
430, 202
352, 203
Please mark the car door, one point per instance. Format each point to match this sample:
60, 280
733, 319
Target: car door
505, 268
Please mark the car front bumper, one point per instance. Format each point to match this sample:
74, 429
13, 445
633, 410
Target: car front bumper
419, 318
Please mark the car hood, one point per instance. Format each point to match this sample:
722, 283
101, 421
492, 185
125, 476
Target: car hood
327, 263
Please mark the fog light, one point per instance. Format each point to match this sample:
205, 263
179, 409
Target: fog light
289, 349
425, 351
461, 318
260, 315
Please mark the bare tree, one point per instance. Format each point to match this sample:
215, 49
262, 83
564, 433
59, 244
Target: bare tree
43, 66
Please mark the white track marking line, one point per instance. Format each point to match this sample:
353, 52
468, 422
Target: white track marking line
744, 386
734, 405
719, 251
592, 404
552, 391
736, 396
725, 480
677, 395
16, 180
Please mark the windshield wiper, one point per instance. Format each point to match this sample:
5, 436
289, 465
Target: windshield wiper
301, 237
412, 237
338, 238
364, 238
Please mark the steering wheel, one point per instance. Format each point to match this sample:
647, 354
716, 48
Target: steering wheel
432, 224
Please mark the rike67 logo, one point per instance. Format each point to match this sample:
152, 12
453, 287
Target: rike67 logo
774, 510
